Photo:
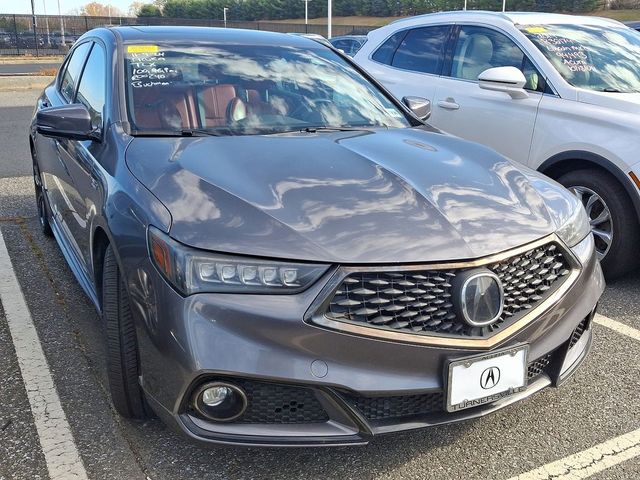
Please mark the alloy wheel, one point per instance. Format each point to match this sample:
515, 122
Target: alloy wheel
599, 218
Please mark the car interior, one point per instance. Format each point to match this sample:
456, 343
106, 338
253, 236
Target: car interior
477, 52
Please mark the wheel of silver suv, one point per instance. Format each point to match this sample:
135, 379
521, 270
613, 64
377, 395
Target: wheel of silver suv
599, 218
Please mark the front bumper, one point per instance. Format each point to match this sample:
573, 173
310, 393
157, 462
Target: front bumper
364, 386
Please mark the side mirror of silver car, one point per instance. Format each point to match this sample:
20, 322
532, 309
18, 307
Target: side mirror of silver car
421, 107
509, 80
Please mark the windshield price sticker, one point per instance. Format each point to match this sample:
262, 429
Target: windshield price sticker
148, 68
142, 49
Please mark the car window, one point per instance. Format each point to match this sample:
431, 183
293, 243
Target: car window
343, 45
73, 70
384, 53
250, 89
478, 49
422, 49
91, 90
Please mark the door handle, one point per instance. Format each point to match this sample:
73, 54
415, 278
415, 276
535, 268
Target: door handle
94, 183
448, 104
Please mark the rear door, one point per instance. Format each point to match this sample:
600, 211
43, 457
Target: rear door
494, 119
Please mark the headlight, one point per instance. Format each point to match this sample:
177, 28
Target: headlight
576, 228
192, 271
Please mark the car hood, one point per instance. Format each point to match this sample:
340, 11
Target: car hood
392, 196
624, 102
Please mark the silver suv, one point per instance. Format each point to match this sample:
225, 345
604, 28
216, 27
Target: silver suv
556, 92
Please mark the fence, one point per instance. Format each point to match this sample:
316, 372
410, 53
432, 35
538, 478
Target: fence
53, 34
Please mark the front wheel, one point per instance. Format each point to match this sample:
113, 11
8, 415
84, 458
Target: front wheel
41, 202
613, 219
123, 363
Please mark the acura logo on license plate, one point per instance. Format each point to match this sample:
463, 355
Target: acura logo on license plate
490, 378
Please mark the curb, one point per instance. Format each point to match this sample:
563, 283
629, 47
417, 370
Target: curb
23, 82
18, 74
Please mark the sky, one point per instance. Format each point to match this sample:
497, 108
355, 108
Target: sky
66, 6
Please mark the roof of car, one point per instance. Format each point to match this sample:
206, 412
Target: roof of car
160, 34
517, 18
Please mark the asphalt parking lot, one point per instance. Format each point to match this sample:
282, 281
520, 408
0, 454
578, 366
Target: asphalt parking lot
586, 416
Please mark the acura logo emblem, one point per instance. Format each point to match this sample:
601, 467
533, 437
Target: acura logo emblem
480, 297
490, 378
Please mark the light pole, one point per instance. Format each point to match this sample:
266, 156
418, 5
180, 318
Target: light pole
109, 9
224, 15
46, 21
35, 26
306, 11
465, 5
329, 20
61, 24
504, 5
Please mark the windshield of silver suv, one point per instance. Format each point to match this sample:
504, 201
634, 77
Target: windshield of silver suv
242, 90
597, 58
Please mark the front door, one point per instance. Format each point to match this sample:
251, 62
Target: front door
494, 119
84, 188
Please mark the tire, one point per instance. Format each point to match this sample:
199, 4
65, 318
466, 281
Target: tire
619, 256
44, 215
123, 363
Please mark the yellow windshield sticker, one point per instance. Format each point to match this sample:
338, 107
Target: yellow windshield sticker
142, 49
536, 30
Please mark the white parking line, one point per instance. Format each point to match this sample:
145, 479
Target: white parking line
595, 459
588, 462
617, 326
56, 440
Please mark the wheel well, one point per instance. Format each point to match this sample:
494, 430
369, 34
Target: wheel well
100, 244
556, 169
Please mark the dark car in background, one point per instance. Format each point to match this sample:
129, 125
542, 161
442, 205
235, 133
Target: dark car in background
634, 25
349, 44
284, 254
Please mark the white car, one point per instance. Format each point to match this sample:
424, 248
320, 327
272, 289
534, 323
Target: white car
558, 93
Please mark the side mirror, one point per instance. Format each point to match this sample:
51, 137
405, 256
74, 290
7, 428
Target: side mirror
421, 107
67, 121
509, 80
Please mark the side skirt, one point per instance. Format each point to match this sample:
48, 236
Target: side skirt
76, 266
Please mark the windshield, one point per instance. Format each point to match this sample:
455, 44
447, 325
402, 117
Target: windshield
592, 57
249, 89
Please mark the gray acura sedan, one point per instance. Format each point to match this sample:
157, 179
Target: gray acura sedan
284, 254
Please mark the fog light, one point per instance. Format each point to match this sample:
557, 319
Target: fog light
220, 401
214, 396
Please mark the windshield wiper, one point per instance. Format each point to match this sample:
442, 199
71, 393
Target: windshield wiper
201, 132
185, 132
615, 90
333, 129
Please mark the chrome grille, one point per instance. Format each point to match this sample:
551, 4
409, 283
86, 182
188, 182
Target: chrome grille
421, 302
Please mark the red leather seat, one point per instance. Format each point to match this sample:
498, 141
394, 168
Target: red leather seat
158, 108
257, 106
215, 104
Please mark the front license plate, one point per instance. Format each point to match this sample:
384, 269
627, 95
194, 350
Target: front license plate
483, 379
